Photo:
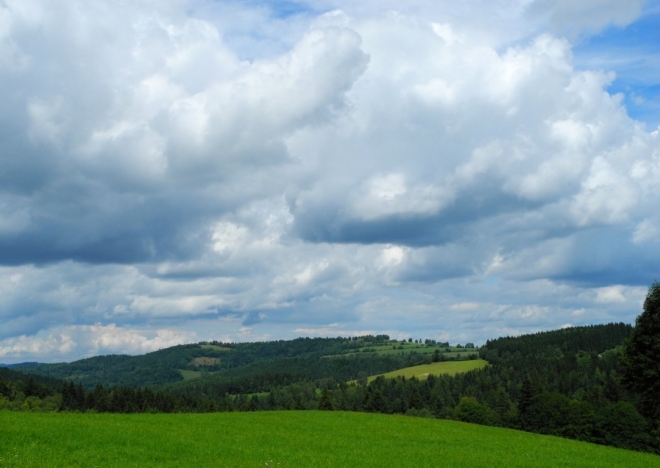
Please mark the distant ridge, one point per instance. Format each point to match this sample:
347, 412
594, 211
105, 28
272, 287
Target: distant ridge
20, 364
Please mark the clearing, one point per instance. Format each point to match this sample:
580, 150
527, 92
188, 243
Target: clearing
436, 368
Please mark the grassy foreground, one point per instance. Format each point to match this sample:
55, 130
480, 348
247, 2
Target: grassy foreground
285, 439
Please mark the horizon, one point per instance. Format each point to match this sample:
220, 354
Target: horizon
415, 340
198, 170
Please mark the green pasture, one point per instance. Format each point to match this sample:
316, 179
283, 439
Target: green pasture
189, 374
214, 347
192, 374
436, 368
286, 439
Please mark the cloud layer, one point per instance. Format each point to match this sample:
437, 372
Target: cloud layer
169, 173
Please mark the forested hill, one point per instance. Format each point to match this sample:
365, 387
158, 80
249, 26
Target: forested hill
170, 365
592, 338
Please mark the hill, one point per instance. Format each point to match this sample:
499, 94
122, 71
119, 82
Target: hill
287, 439
565, 383
249, 367
20, 364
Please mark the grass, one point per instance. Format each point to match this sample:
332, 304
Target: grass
286, 439
436, 368
214, 347
189, 374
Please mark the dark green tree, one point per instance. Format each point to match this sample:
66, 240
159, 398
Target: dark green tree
325, 402
641, 355
526, 395
622, 426
471, 411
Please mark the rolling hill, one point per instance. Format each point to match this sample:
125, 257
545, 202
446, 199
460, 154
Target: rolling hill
282, 361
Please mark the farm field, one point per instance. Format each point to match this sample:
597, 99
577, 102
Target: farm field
285, 439
436, 368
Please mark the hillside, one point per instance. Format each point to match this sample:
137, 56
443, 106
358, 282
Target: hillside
287, 439
565, 383
249, 367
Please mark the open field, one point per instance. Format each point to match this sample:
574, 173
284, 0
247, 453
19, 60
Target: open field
189, 374
285, 439
205, 361
436, 368
214, 347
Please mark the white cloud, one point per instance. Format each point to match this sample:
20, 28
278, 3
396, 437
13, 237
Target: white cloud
610, 294
390, 195
81, 341
591, 15
646, 231
465, 306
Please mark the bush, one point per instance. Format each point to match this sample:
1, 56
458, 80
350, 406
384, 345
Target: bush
470, 410
621, 425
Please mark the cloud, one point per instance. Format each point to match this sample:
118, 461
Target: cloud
88, 340
127, 158
424, 168
590, 15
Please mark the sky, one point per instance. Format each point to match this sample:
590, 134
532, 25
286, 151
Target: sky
192, 170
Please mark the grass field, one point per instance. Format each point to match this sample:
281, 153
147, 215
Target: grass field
189, 374
436, 368
285, 439
215, 347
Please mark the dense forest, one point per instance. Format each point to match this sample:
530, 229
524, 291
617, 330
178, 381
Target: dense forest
595, 383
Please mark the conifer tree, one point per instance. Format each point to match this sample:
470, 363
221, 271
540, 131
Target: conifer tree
641, 357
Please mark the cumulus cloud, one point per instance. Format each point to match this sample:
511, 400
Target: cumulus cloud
171, 174
82, 341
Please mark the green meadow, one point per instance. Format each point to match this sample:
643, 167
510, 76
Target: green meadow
215, 347
285, 439
189, 374
437, 368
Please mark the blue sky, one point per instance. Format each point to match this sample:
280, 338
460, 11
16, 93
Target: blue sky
633, 53
192, 170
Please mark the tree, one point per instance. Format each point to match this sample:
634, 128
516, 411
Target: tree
641, 355
325, 403
470, 410
526, 394
622, 426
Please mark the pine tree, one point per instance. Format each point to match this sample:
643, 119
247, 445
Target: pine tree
325, 402
526, 395
641, 355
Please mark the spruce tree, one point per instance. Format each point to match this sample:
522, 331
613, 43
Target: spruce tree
641, 356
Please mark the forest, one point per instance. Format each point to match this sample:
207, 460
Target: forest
593, 383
